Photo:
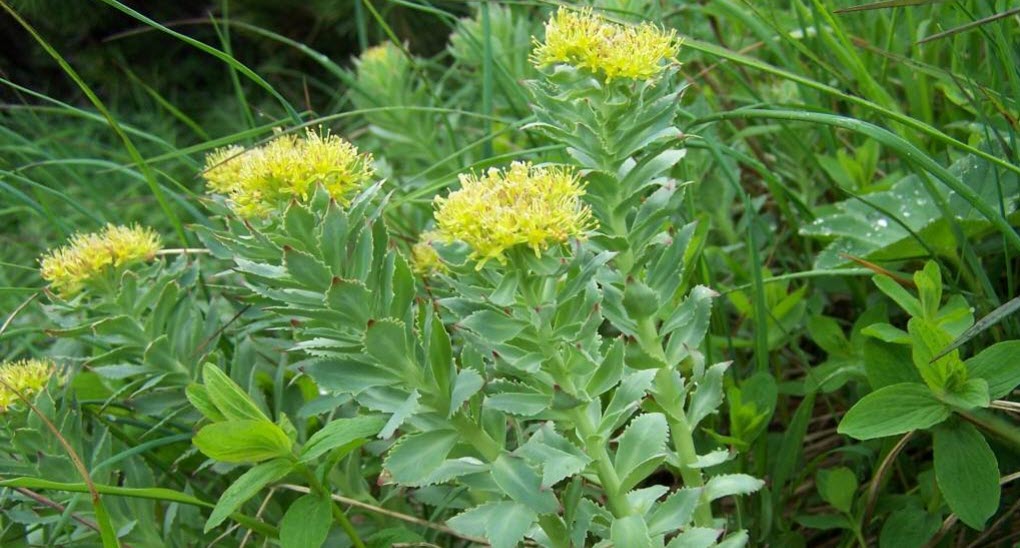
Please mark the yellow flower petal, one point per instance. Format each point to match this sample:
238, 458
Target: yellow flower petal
28, 377
289, 167
534, 206
610, 50
67, 268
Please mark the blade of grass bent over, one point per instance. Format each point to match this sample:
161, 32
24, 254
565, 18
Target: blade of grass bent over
150, 177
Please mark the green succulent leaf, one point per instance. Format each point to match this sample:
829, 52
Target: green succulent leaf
641, 449
520, 482
630, 531
416, 456
504, 524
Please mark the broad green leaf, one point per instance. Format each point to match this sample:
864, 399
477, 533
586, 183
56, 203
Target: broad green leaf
909, 303
887, 364
338, 433
555, 455
909, 526
493, 326
998, 364
299, 223
416, 456
829, 336
525, 404
967, 472
928, 339
454, 468
609, 372
726, 485
198, 395
973, 394
310, 272
855, 227
985, 323
246, 487
824, 522
521, 483
228, 397
440, 360
929, 288
641, 449
708, 395
467, 384
503, 523
639, 300
887, 333
352, 300
385, 340
347, 376
642, 500
631, 531
242, 441
695, 537
405, 411
625, 399
675, 512
892, 410
688, 323
306, 523
837, 486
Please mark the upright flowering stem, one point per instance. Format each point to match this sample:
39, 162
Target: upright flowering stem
595, 447
619, 123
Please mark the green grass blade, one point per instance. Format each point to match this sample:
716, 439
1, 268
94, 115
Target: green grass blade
907, 152
150, 177
234, 63
922, 127
151, 493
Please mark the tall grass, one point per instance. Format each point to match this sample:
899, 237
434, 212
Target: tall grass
793, 106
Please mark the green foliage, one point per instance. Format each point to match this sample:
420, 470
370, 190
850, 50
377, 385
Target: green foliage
706, 367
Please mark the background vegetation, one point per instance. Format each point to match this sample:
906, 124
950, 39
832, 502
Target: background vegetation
821, 135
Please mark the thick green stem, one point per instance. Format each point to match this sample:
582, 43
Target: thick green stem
477, 437
595, 446
669, 396
683, 442
338, 513
648, 338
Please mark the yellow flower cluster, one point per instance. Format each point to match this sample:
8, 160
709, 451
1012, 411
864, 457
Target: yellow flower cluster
67, 268
26, 376
535, 206
289, 167
425, 260
587, 41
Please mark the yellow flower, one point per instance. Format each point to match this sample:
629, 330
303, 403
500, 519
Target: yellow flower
289, 167
223, 168
86, 256
587, 41
26, 376
534, 206
425, 260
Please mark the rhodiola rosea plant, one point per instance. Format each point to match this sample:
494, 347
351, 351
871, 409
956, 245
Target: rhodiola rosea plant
530, 370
